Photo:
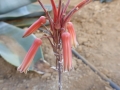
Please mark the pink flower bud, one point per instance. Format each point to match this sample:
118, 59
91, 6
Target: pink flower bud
71, 30
67, 54
29, 56
35, 26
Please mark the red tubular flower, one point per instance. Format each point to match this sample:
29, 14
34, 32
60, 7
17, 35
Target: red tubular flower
67, 54
81, 4
75, 9
55, 11
29, 56
71, 30
35, 26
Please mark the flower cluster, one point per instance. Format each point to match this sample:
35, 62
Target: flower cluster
61, 34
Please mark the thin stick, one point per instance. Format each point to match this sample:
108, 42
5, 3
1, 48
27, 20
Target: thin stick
102, 76
60, 74
42, 6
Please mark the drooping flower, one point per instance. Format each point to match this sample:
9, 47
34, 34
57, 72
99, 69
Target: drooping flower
29, 56
35, 26
71, 30
67, 54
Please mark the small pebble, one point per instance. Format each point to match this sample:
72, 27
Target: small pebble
118, 30
82, 40
5, 88
46, 75
87, 55
37, 31
1, 81
79, 49
107, 88
35, 87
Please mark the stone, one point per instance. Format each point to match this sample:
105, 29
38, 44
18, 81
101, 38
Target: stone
74, 63
1, 81
82, 40
4, 88
107, 88
79, 48
35, 87
46, 75
87, 55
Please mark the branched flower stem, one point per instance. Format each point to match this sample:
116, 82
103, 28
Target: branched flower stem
61, 36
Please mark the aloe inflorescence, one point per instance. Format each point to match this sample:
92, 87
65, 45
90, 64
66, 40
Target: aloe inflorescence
61, 36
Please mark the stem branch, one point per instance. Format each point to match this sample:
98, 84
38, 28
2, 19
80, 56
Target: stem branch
60, 74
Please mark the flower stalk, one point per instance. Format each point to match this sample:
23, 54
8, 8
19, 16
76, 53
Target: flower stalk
61, 36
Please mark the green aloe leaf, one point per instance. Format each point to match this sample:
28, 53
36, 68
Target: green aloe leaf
13, 47
23, 22
9, 5
31, 10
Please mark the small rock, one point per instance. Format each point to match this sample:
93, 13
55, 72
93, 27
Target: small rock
4, 88
71, 78
118, 38
37, 31
79, 48
79, 61
87, 55
31, 75
67, 86
77, 69
55, 73
48, 81
19, 85
118, 30
91, 20
74, 63
69, 82
103, 32
99, 32
65, 77
1, 81
88, 44
35, 87
48, 78
27, 85
102, 39
104, 71
97, 7
24, 80
52, 78
107, 88
46, 75
80, 76
82, 40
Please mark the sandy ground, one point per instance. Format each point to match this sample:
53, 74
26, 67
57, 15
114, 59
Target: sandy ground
98, 33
